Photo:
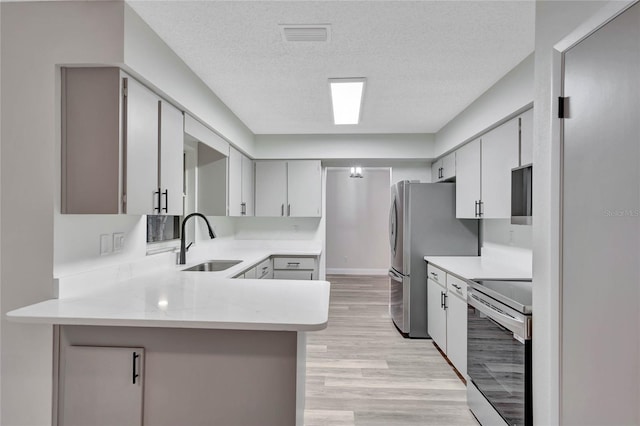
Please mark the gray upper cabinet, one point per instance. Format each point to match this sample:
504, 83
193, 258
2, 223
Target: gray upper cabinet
271, 188
304, 188
483, 173
171, 173
499, 156
288, 188
248, 186
241, 176
235, 182
468, 180
141, 193
121, 146
444, 169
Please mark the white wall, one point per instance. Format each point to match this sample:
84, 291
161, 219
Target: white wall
358, 146
510, 94
85, 32
554, 21
147, 55
418, 171
276, 228
502, 232
357, 221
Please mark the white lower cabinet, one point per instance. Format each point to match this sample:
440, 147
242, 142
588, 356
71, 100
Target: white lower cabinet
457, 332
295, 268
447, 317
101, 386
264, 269
436, 314
292, 275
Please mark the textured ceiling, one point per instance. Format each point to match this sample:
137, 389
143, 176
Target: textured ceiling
424, 61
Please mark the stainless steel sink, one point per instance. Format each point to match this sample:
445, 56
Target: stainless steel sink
213, 265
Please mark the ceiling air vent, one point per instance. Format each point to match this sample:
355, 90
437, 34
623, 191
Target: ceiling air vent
296, 33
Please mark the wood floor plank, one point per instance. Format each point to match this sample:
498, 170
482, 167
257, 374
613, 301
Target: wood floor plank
362, 372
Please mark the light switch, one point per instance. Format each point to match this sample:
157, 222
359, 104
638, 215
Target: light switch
105, 244
118, 241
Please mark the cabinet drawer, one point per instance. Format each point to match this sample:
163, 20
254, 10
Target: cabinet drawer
437, 274
292, 275
264, 268
294, 263
457, 286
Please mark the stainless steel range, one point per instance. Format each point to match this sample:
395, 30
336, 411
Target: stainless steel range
499, 391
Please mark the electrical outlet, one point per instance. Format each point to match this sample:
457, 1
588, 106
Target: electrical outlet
118, 241
105, 244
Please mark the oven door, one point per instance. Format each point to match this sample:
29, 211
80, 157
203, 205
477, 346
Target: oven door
498, 362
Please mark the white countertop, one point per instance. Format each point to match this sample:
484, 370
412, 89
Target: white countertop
496, 264
172, 298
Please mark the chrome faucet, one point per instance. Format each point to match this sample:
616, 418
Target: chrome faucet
183, 249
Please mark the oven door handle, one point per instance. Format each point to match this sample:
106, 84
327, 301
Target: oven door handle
515, 325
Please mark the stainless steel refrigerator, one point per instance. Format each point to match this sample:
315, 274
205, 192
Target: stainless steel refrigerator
422, 222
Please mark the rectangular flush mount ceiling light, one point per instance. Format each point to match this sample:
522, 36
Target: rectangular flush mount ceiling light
346, 98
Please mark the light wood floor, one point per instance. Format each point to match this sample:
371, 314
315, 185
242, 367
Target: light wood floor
361, 371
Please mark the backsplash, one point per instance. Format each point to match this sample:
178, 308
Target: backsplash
77, 241
502, 232
278, 228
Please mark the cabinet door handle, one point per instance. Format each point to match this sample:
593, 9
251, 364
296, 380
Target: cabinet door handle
444, 305
442, 300
135, 374
158, 193
166, 201
481, 209
477, 209
434, 275
282, 210
243, 209
288, 209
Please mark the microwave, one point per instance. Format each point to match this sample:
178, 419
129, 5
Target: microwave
521, 195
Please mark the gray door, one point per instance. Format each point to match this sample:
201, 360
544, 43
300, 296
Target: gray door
600, 362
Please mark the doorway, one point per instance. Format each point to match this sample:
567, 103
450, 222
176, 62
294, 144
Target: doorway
357, 221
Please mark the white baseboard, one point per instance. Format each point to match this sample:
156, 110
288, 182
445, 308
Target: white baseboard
354, 271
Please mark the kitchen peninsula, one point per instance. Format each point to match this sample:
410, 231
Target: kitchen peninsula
170, 347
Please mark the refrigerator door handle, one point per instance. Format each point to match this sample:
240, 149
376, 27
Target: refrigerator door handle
393, 227
395, 276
